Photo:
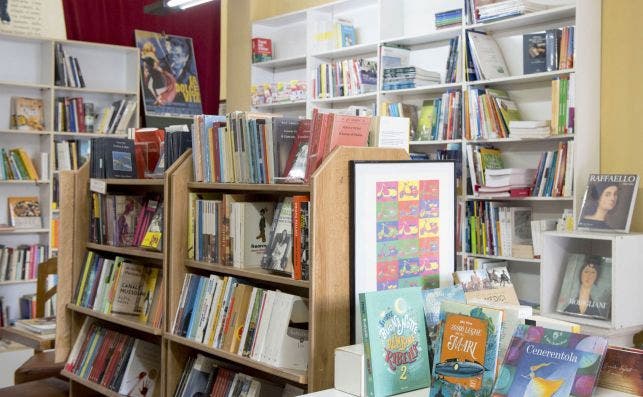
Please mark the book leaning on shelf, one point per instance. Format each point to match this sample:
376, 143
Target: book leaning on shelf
67, 69
252, 322
120, 286
27, 114
21, 263
119, 362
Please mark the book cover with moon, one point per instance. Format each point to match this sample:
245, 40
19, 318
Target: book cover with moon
548, 363
395, 341
466, 351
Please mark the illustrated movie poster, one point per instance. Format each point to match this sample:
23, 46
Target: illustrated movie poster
168, 75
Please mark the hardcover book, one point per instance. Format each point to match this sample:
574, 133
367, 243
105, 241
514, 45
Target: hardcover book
24, 212
467, 350
544, 362
586, 290
609, 201
119, 159
622, 370
395, 343
27, 114
487, 284
534, 53
433, 298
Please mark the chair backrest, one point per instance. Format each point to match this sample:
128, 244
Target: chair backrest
50, 266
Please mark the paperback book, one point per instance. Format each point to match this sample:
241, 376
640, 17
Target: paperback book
24, 212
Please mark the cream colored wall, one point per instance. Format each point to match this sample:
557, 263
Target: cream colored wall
261, 9
622, 93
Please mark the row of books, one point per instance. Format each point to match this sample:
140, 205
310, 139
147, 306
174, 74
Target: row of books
399, 109
72, 154
563, 104
448, 18
73, 115
126, 221
548, 51
122, 287
119, 362
67, 69
331, 34
440, 118
402, 77
488, 113
21, 263
554, 175
453, 69
278, 92
347, 77
17, 165
481, 12
245, 320
202, 376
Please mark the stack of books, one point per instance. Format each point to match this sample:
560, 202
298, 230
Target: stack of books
347, 77
505, 182
40, 326
493, 10
448, 18
408, 77
529, 128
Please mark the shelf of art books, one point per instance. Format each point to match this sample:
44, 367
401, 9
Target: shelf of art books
258, 187
282, 62
133, 252
534, 18
299, 377
122, 320
257, 274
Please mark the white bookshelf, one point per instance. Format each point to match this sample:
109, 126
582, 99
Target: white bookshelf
110, 72
411, 23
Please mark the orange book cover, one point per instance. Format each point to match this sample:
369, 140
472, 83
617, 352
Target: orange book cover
296, 227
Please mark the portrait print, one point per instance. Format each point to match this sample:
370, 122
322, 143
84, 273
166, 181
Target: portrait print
609, 202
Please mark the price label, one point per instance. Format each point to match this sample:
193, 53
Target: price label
98, 186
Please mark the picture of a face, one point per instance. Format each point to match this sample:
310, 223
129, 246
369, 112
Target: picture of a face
608, 198
588, 275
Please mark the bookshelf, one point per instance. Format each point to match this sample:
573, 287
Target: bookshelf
411, 23
110, 73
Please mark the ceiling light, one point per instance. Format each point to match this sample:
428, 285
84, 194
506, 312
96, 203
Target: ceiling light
183, 4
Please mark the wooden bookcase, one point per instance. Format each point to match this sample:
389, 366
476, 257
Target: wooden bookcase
327, 289
74, 246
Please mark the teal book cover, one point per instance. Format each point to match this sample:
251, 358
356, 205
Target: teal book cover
395, 342
466, 350
550, 363
433, 299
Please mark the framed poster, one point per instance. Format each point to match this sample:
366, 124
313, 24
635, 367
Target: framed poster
169, 78
403, 219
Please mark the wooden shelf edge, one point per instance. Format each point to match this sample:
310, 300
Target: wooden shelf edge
287, 374
116, 320
11, 282
128, 251
135, 182
258, 187
92, 385
254, 274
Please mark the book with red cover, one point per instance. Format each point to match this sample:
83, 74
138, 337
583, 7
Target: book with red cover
314, 146
302, 138
150, 140
297, 234
347, 131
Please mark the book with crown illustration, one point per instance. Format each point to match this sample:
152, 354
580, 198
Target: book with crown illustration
545, 362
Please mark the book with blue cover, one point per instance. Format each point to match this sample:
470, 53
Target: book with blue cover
433, 298
545, 362
395, 343
466, 350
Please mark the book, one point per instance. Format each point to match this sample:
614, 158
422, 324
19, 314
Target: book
493, 284
143, 370
586, 288
253, 225
278, 254
198, 380
389, 132
487, 56
153, 238
467, 350
608, 202
128, 289
534, 53
621, 370
24, 212
27, 114
261, 49
395, 341
433, 298
119, 158
541, 361
42, 326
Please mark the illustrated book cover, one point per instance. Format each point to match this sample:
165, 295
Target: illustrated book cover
586, 290
491, 284
252, 232
466, 351
545, 362
24, 212
278, 254
120, 160
143, 370
395, 342
128, 289
433, 299
534, 53
27, 114
622, 370
608, 203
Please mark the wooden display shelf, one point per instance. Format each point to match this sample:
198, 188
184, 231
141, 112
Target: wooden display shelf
90, 385
252, 274
29, 339
284, 373
116, 319
23, 231
127, 251
254, 187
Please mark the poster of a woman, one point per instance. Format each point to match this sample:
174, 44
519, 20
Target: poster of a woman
609, 202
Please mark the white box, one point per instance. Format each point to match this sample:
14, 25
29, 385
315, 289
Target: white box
349, 369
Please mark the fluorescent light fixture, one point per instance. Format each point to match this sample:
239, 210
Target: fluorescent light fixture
183, 4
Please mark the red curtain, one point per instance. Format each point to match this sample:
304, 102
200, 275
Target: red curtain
114, 21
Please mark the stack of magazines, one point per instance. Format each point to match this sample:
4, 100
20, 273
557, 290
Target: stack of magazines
408, 77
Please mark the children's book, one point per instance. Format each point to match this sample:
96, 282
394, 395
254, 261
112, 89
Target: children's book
395, 342
545, 362
433, 298
466, 350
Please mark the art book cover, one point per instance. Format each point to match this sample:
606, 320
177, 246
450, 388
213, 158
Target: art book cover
433, 299
622, 370
27, 114
545, 362
609, 202
24, 212
278, 254
169, 79
586, 289
127, 209
120, 161
492, 284
466, 350
143, 370
395, 343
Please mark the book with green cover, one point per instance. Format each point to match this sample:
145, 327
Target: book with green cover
466, 351
425, 121
395, 342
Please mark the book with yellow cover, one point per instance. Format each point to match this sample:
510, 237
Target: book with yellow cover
153, 238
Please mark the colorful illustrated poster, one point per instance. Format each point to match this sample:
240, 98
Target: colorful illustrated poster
168, 75
403, 218
408, 228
